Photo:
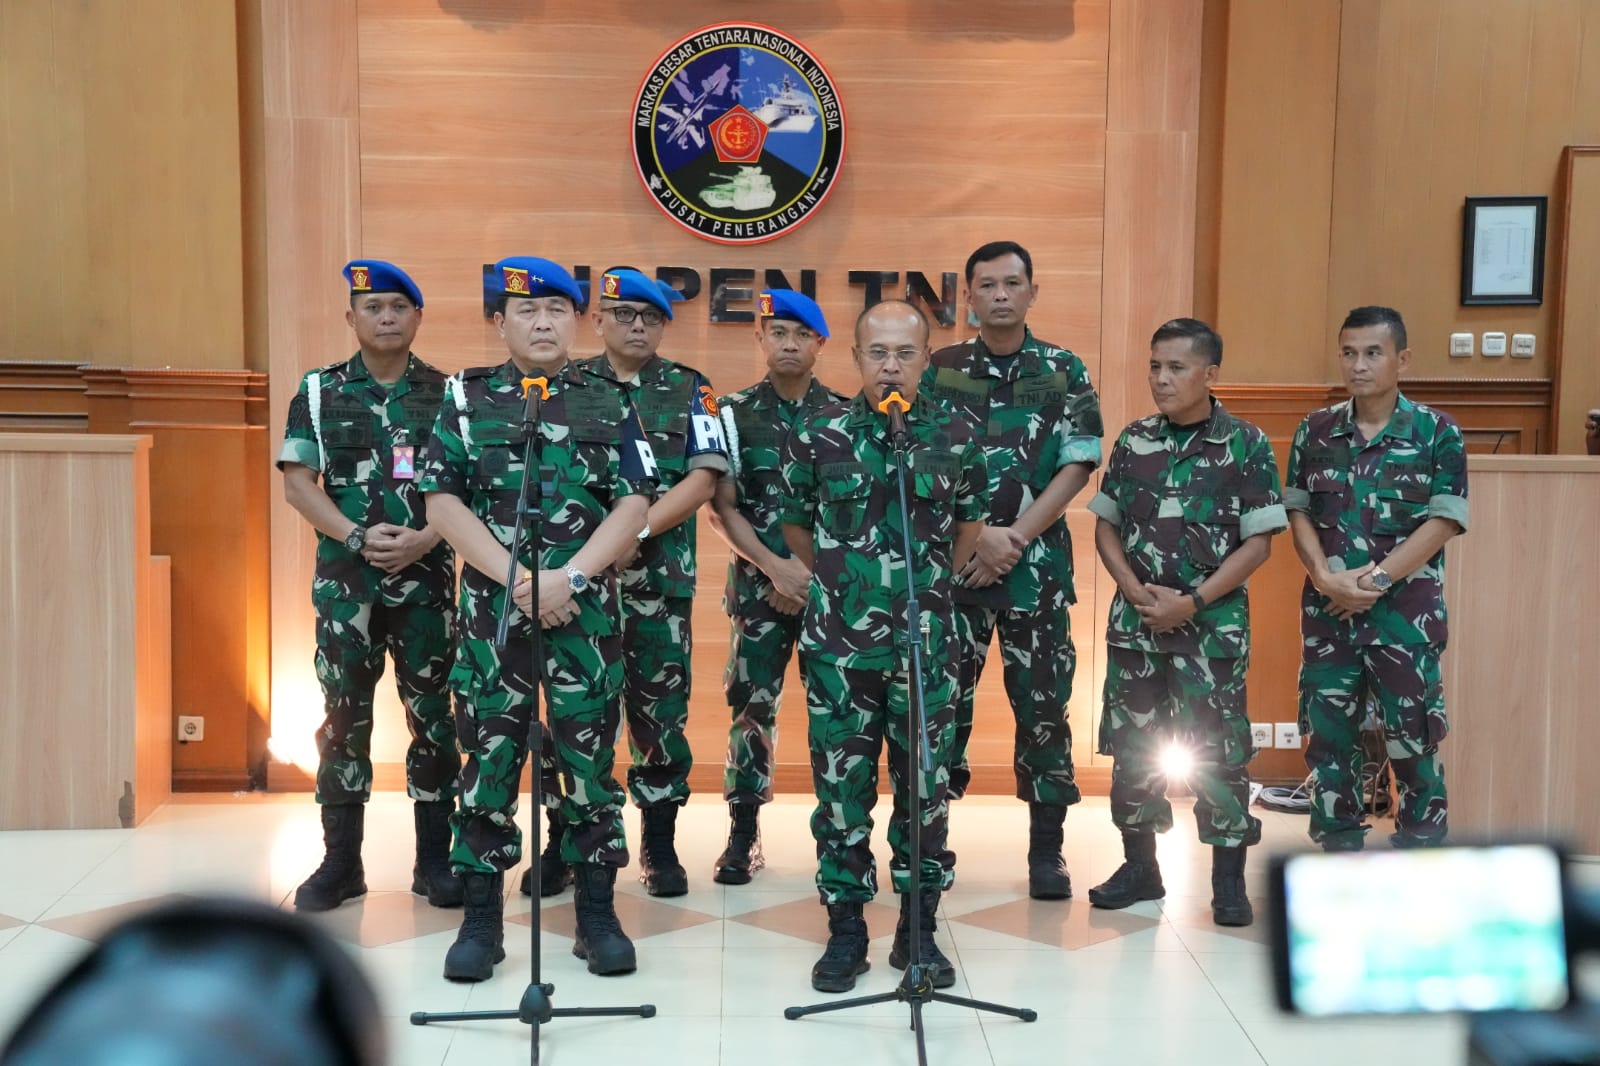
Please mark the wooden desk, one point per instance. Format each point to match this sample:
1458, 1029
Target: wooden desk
1522, 672
85, 665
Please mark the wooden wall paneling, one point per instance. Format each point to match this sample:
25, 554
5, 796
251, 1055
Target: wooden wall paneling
1576, 362
1152, 161
145, 215
310, 173
154, 694
1438, 100
208, 482
41, 394
82, 612
1274, 156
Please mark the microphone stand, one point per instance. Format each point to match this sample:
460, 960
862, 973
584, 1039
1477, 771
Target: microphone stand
916, 984
534, 1009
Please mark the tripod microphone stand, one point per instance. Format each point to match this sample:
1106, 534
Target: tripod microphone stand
535, 1008
916, 984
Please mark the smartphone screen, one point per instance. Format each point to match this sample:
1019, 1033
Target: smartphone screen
1421, 931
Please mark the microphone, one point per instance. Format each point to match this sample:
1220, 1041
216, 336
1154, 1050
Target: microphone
530, 410
895, 406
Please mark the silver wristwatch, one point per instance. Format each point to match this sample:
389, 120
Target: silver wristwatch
576, 580
1380, 579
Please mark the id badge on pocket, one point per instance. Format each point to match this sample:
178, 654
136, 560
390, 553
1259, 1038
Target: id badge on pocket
403, 464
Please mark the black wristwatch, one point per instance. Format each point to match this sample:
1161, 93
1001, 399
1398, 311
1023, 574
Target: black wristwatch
1199, 601
356, 539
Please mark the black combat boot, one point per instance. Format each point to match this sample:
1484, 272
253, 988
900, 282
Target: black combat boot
742, 857
340, 877
1047, 873
661, 872
940, 970
600, 938
845, 957
555, 873
432, 876
1136, 879
1229, 904
481, 941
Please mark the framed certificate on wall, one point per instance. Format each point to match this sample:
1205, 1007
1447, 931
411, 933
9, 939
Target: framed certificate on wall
1502, 250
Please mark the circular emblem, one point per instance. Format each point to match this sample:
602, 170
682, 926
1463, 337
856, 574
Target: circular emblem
738, 133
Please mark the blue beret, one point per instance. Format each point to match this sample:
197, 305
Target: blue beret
634, 286
798, 307
670, 291
529, 276
374, 275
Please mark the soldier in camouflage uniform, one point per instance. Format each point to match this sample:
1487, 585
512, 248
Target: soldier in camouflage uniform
594, 476
767, 586
382, 581
841, 516
1377, 485
1186, 513
1033, 409
678, 408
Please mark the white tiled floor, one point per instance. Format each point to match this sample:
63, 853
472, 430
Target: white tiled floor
1155, 984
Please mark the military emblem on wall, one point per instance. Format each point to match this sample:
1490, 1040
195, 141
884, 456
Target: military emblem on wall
738, 133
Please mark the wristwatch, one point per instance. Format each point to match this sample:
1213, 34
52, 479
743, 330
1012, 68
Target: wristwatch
356, 539
644, 534
1199, 601
1380, 580
576, 580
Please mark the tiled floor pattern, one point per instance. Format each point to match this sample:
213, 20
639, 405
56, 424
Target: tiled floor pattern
1155, 984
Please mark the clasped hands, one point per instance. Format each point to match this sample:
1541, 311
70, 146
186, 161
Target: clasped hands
392, 548
556, 598
998, 550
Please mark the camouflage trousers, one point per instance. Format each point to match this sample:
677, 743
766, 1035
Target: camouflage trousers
1153, 700
851, 713
494, 690
1039, 661
1404, 685
352, 638
656, 645
759, 650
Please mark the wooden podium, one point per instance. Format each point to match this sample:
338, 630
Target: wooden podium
1522, 671
85, 664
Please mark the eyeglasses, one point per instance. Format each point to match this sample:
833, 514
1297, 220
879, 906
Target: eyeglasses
626, 315
876, 354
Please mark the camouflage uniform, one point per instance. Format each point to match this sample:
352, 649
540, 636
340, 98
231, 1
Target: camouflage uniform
1034, 413
658, 586
360, 610
1183, 500
592, 454
757, 422
1364, 498
840, 485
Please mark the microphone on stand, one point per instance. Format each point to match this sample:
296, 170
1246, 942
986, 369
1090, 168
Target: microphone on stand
532, 399
895, 406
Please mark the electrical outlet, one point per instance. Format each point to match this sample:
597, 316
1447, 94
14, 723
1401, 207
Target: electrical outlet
1288, 734
1461, 343
1494, 344
1522, 345
1261, 734
191, 728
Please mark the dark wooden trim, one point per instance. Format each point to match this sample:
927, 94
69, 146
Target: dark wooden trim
210, 781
